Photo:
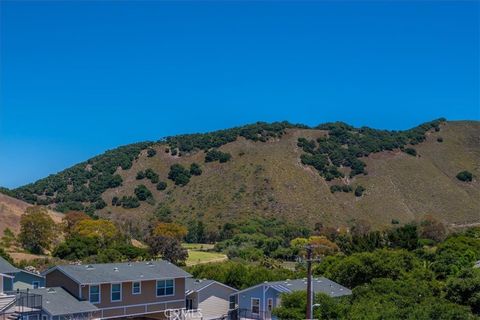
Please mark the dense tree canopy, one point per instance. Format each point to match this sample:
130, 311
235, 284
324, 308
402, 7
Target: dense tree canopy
37, 229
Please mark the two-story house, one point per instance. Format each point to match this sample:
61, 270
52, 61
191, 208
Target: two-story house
132, 289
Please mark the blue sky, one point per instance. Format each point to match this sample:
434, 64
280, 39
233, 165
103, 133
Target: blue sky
78, 78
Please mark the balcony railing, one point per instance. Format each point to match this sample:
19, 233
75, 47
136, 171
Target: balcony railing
247, 314
21, 302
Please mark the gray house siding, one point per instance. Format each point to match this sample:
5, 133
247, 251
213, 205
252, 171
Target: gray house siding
213, 301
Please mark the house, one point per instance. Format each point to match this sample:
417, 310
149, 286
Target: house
130, 289
58, 304
14, 278
257, 302
211, 299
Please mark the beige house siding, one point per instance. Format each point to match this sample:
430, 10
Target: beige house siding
148, 294
57, 278
213, 301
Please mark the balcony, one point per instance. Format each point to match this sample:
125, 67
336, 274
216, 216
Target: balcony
14, 304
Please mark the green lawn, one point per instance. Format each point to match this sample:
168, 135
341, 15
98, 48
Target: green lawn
198, 246
198, 257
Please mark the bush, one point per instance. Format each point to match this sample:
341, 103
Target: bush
130, 202
195, 169
162, 185
439, 139
465, 176
359, 191
179, 175
140, 175
411, 151
151, 152
151, 175
142, 192
216, 155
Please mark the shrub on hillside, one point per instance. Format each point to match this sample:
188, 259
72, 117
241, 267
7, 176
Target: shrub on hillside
130, 202
195, 169
162, 185
140, 175
411, 151
359, 191
216, 155
151, 152
465, 176
179, 174
142, 192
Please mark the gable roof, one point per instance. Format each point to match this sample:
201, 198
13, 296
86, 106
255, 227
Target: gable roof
6, 267
121, 272
196, 285
320, 285
56, 301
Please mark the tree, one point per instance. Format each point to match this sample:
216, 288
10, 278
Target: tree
217, 155
8, 238
465, 289
37, 230
432, 229
179, 174
168, 247
104, 231
142, 192
170, 230
465, 176
71, 218
130, 202
405, 237
195, 169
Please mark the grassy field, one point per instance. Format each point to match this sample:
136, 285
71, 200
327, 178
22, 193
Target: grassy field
198, 257
198, 246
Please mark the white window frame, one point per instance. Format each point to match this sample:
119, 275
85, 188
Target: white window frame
139, 288
251, 305
37, 283
111, 292
165, 281
99, 293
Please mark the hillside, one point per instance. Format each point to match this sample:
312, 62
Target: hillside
272, 173
11, 209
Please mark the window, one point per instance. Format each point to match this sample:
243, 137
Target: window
255, 305
270, 304
44, 317
232, 302
165, 288
94, 294
136, 288
116, 292
189, 304
35, 284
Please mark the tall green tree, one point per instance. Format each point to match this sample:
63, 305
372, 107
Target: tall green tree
37, 230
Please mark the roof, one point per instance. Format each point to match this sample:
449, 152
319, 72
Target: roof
56, 301
195, 285
121, 272
477, 264
6, 267
322, 285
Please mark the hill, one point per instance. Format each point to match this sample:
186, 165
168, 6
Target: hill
11, 209
279, 170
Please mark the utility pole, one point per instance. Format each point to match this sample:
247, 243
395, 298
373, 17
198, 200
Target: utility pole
309, 248
309, 282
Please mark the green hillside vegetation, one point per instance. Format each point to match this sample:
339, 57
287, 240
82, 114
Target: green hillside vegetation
273, 171
401, 279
